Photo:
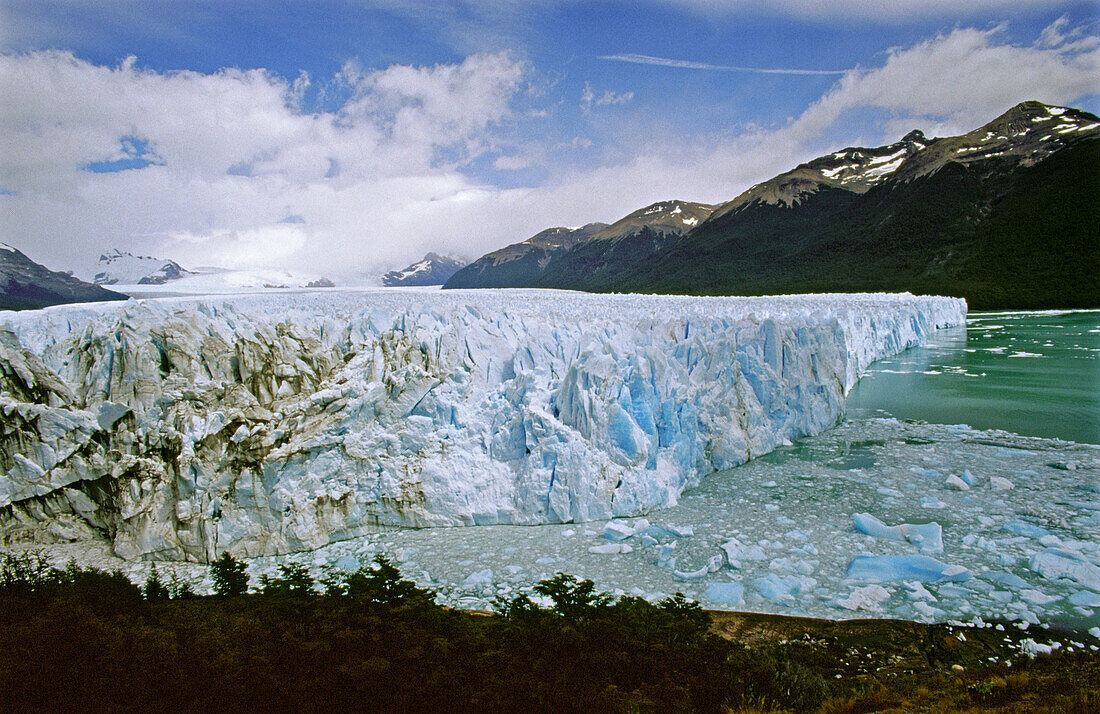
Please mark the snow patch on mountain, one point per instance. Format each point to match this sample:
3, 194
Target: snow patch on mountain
121, 268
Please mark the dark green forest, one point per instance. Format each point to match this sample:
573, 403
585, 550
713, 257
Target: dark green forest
81, 639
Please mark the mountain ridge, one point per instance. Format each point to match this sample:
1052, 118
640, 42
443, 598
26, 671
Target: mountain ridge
25, 284
1004, 215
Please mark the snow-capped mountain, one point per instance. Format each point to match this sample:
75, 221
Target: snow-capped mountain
26, 284
558, 256
627, 243
433, 269
122, 268
1027, 133
664, 218
1006, 216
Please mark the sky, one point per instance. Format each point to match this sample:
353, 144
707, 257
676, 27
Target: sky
350, 137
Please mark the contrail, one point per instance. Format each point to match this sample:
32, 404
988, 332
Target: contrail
688, 64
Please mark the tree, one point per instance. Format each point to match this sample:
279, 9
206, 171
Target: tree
573, 598
383, 584
154, 589
293, 579
229, 576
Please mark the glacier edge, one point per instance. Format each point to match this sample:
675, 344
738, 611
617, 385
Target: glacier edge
181, 428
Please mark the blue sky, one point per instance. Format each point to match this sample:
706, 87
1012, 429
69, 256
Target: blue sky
395, 127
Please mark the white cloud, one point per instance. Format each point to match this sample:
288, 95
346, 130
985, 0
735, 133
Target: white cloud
351, 174
590, 98
965, 78
385, 177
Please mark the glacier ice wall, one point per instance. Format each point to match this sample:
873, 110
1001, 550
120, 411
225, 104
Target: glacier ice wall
177, 428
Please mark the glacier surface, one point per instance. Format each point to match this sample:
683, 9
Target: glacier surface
180, 428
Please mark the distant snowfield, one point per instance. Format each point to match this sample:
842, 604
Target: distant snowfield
222, 282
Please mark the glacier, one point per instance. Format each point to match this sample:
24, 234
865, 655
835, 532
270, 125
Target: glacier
179, 428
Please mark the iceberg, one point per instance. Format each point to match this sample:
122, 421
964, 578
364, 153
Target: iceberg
266, 424
885, 568
928, 537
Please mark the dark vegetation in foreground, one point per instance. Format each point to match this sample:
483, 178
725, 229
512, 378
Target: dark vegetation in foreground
90, 640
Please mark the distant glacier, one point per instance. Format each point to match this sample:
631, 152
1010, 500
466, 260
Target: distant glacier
177, 428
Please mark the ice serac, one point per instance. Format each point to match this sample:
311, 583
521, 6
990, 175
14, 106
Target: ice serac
177, 428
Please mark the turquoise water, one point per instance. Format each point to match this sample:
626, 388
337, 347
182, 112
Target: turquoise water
1031, 373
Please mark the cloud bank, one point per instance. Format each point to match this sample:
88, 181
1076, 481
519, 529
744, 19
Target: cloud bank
229, 168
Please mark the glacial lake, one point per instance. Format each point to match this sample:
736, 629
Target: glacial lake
1030, 373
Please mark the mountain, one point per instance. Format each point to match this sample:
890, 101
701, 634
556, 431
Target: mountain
433, 269
627, 244
120, 268
1006, 216
520, 264
25, 284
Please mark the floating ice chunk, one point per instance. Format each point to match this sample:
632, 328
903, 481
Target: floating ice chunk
480, 578
1085, 598
1056, 563
348, 564
927, 473
783, 588
883, 568
1007, 579
1023, 528
1037, 597
665, 557
647, 540
928, 537
932, 502
618, 530
610, 549
691, 574
954, 591
1086, 505
927, 610
725, 593
681, 531
884, 491
736, 552
1095, 632
917, 591
969, 478
956, 484
1051, 541
869, 598
998, 483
